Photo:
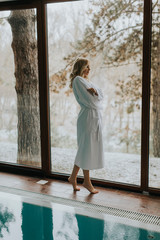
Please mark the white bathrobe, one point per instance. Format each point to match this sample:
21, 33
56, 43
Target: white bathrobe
90, 153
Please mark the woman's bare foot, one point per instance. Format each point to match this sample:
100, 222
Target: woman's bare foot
74, 184
90, 188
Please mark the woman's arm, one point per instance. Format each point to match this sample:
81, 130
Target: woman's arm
92, 91
84, 92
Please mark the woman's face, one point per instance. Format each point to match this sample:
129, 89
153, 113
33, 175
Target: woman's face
86, 70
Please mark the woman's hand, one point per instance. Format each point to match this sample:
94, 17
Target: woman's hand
92, 91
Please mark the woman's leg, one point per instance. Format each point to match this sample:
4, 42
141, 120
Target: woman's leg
87, 182
73, 178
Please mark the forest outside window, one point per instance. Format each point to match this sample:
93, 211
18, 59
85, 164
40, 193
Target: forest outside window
110, 35
19, 86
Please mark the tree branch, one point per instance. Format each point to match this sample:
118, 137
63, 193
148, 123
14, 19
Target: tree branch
124, 29
119, 65
154, 5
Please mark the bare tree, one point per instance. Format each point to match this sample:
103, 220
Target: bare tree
24, 47
116, 33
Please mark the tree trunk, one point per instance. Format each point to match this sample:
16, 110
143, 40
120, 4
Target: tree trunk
24, 47
156, 107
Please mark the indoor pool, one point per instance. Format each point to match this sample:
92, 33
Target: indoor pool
31, 216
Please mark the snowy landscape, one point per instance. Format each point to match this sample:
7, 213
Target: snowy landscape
119, 167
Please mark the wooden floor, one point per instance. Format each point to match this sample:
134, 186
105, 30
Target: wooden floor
106, 197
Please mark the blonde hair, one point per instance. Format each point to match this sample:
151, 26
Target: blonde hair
78, 68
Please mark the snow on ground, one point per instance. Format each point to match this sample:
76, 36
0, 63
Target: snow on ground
119, 167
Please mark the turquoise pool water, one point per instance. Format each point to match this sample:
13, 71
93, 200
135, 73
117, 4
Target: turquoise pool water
29, 216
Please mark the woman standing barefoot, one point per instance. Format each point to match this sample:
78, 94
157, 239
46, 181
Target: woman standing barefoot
89, 125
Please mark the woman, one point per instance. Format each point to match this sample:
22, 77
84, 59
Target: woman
89, 125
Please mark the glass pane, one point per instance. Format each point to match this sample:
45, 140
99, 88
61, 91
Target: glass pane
109, 34
19, 96
154, 160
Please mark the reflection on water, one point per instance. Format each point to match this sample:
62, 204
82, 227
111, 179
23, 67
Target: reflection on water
6, 217
90, 228
120, 231
24, 221
37, 223
65, 225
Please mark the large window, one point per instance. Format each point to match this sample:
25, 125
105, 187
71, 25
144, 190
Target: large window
109, 34
19, 88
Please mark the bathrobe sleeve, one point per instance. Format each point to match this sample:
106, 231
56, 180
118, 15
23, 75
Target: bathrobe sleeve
80, 87
100, 94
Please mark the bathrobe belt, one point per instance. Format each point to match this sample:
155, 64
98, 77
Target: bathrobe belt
98, 128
